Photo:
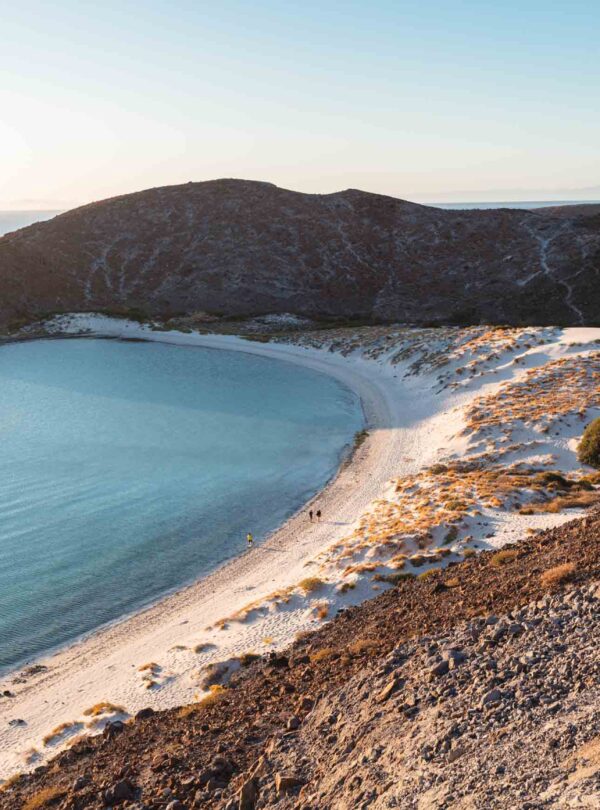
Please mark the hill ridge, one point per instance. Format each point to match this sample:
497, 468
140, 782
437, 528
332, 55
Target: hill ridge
245, 247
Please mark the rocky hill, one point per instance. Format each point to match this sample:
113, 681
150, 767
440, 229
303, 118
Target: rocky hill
472, 687
240, 248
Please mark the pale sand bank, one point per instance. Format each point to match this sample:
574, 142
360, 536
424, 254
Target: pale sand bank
410, 426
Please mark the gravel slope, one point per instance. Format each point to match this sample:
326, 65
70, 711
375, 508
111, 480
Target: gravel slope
310, 725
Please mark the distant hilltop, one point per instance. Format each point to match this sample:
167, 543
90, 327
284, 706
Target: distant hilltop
242, 248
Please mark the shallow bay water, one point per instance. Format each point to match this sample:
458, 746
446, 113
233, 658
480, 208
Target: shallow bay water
129, 469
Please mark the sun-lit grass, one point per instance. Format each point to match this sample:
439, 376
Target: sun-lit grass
557, 575
104, 707
44, 798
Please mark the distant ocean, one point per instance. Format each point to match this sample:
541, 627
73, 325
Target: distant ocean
525, 204
12, 220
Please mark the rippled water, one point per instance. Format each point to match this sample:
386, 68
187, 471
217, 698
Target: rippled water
128, 469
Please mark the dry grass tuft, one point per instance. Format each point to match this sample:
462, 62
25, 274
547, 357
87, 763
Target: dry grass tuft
557, 575
363, 645
321, 610
12, 780
248, 658
150, 666
55, 733
44, 798
311, 584
504, 557
430, 573
215, 693
322, 654
104, 707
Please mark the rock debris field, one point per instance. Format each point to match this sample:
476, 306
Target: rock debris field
475, 686
503, 712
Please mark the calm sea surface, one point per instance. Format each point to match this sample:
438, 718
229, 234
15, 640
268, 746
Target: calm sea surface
128, 469
13, 220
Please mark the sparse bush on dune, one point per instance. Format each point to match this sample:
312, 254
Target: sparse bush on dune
588, 451
104, 707
427, 574
215, 693
311, 584
58, 731
322, 610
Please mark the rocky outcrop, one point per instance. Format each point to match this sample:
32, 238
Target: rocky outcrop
244, 248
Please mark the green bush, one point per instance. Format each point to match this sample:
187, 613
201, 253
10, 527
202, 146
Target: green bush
589, 446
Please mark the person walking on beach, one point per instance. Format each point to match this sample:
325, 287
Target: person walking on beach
310, 515
319, 515
249, 539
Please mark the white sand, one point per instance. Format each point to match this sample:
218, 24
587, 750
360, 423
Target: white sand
409, 427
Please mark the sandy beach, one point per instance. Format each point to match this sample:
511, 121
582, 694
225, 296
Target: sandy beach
411, 423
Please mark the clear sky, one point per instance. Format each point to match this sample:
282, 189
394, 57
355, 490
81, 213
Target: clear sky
430, 100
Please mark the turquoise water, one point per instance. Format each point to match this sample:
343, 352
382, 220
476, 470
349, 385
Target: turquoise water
128, 469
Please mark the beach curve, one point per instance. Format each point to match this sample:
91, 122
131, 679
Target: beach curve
103, 666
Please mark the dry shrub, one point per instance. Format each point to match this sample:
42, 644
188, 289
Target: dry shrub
393, 579
248, 658
426, 574
504, 557
363, 645
588, 451
150, 666
452, 583
322, 655
321, 610
311, 584
104, 707
12, 780
347, 586
205, 647
57, 732
469, 552
44, 798
557, 575
215, 693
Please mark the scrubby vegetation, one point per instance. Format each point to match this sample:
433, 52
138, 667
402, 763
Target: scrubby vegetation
557, 575
589, 447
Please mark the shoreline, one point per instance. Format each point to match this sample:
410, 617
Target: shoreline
345, 459
256, 602
79, 670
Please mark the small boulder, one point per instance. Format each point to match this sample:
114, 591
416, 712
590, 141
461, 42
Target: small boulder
439, 669
112, 729
248, 795
388, 690
284, 782
293, 723
121, 791
305, 704
491, 698
80, 783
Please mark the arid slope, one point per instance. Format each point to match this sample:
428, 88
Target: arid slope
242, 247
